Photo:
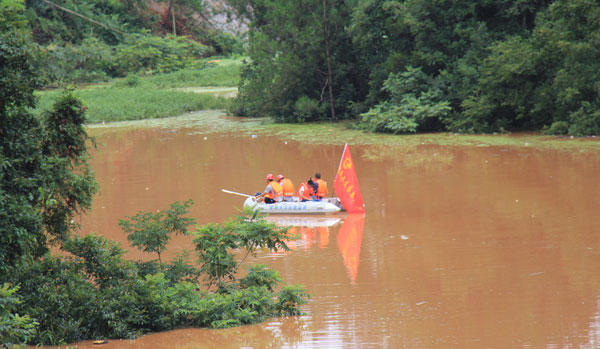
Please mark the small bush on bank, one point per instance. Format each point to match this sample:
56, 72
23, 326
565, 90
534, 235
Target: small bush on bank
557, 128
306, 109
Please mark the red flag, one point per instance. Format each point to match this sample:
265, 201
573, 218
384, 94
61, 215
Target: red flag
346, 184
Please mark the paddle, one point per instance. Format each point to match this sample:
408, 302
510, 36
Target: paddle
240, 194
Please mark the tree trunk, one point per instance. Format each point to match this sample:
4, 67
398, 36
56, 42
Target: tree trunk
170, 13
174, 27
328, 56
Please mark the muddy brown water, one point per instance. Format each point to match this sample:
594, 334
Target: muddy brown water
460, 246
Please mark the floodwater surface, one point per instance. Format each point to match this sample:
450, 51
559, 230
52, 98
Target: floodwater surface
460, 246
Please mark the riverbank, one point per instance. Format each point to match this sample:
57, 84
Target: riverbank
197, 99
208, 121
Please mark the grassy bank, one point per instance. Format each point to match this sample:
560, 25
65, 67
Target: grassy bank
219, 72
136, 98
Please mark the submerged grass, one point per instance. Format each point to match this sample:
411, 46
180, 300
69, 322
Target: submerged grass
340, 133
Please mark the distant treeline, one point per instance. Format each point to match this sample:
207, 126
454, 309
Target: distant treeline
403, 66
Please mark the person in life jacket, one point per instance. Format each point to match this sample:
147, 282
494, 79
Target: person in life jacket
306, 192
273, 192
288, 188
320, 187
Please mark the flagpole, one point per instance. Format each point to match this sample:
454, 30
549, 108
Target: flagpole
341, 158
340, 165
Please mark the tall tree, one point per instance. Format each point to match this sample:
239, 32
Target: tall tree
301, 60
550, 77
44, 176
327, 32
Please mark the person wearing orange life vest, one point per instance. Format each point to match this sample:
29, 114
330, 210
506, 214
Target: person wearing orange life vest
273, 192
287, 186
306, 193
320, 187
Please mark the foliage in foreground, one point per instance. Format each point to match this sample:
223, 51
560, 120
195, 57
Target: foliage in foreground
94, 293
14, 328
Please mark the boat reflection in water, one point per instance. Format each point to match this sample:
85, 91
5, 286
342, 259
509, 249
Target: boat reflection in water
308, 230
315, 230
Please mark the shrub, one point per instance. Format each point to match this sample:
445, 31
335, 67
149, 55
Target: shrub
90, 62
307, 109
148, 54
413, 106
557, 128
585, 121
132, 80
14, 328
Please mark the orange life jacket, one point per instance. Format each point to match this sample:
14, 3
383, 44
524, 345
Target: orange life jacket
288, 187
322, 189
308, 191
276, 188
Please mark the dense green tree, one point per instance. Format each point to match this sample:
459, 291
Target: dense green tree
550, 77
300, 56
18, 78
44, 178
447, 40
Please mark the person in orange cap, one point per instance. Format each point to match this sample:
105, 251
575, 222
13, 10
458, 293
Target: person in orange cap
273, 192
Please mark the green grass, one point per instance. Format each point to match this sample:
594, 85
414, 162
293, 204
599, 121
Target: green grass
226, 72
136, 98
135, 103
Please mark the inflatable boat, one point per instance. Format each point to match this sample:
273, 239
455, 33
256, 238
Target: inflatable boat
293, 207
